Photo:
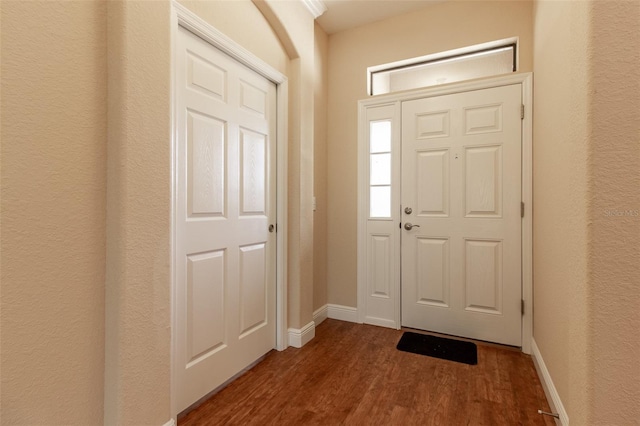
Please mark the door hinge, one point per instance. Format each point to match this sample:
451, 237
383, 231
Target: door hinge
522, 112
522, 306
521, 208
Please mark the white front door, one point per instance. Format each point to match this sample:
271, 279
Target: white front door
461, 185
225, 204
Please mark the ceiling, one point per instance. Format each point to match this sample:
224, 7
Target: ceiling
345, 14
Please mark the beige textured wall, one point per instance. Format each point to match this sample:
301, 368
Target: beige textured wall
440, 27
53, 212
614, 214
587, 206
560, 204
320, 171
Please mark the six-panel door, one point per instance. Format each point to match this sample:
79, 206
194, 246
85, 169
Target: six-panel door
225, 201
461, 178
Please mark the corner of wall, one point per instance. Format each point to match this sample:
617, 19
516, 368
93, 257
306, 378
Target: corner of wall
550, 391
295, 26
138, 303
320, 169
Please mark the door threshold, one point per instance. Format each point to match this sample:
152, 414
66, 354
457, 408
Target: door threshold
464, 339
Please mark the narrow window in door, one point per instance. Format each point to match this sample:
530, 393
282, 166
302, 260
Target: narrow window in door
380, 169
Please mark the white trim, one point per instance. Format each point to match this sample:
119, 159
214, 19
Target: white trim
171, 422
282, 202
526, 81
446, 89
547, 383
316, 7
300, 337
173, 34
342, 313
192, 22
181, 16
527, 220
361, 219
320, 314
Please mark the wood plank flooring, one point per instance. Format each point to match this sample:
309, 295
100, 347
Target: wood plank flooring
352, 374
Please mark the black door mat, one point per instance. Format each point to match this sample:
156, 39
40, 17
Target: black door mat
439, 347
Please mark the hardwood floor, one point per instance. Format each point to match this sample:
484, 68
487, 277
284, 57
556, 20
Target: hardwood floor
352, 374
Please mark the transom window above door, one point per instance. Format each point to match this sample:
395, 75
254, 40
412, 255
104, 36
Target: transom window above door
481, 60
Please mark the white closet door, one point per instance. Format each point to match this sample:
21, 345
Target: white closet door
225, 195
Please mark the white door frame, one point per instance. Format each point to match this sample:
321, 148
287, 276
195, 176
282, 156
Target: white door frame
183, 17
395, 99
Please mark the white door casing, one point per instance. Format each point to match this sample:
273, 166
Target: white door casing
375, 308
225, 256
461, 182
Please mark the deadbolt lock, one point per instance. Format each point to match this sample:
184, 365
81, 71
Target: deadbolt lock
408, 210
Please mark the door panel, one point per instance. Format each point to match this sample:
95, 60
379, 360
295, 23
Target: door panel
206, 168
253, 147
433, 272
253, 291
205, 303
380, 253
483, 276
483, 182
461, 177
433, 199
225, 200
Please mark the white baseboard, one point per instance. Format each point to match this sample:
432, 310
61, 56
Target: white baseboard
320, 315
171, 422
342, 313
300, 337
547, 383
